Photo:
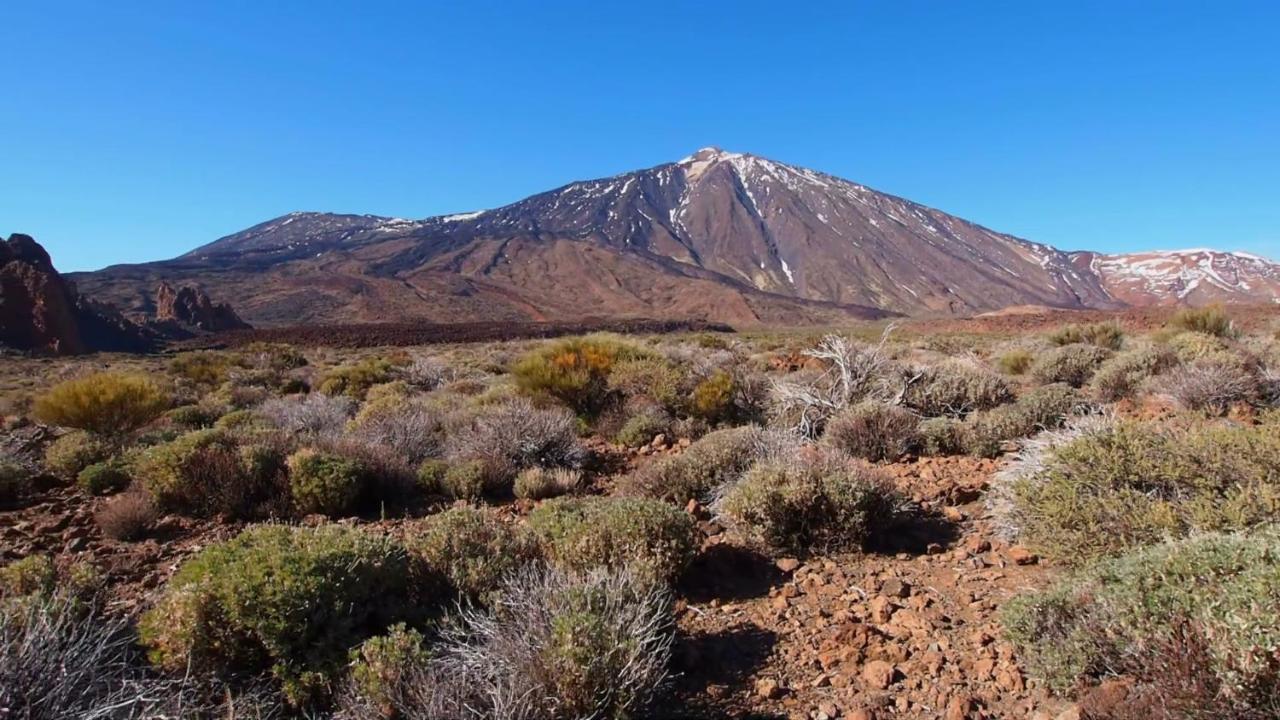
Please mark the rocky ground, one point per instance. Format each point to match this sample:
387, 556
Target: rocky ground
906, 632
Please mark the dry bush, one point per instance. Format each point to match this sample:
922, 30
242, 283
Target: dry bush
853, 373
429, 373
712, 398
873, 431
653, 378
643, 425
473, 549
1043, 408
103, 403
941, 436
1212, 383
314, 415
411, 429
1015, 362
71, 453
555, 645
817, 501
1070, 364
128, 516
954, 389
1194, 345
538, 483
581, 534
354, 380
1211, 320
208, 472
1109, 618
515, 435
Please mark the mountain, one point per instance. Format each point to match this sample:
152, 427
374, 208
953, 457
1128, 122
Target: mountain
720, 236
1192, 277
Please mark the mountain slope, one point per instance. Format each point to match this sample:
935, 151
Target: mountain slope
1193, 277
721, 236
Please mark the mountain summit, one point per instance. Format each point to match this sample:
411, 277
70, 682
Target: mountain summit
718, 235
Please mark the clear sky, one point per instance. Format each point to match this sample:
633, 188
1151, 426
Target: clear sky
135, 131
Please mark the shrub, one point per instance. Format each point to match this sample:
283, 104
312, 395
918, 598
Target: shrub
1107, 335
407, 428
181, 474
556, 645
712, 399
579, 534
128, 516
819, 502
641, 428
652, 378
941, 436
71, 453
1070, 364
289, 600
715, 458
192, 417
1044, 408
1015, 362
1213, 383
383, 669
1208, 320
32, 575
103, 478
430, 475
1121, 484
1193, 345
873, 431
852, 373
1114, 612
473, 549
1123, 375
103, 403
205, 367
15, 483
954, 389
315, 415
355, 380
325, 483
537, 483
514, 435
575, 371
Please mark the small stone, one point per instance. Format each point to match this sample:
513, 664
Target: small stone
1022, 556
895, 588
878, 674
860, 714
953, 514
787, 565
769, 689
829, 710
881, 609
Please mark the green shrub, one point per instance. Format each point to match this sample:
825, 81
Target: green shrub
181, 474
650, 377
1070, 364
382, 668
941, 436
473, 549
575, 371
243, 422
15, 483
103, 403
1208, 320
1191, 346
103, 478
708, 462
325, 483
431, 474
1120, 612
1043, 408
1107, 335
1129, 483
290, 600
579, 534
355, 380
1015, 362
1122, 376
205, 367
538, 483
32, 575
192, 417
873, 431
815, 503
712, 399
70, 454
641, 428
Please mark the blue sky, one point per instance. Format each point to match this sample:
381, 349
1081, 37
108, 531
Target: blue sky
135, 131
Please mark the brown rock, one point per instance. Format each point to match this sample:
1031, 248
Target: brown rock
769, 689
787, 565
878, 674
895, 588
192, 307
1022, 556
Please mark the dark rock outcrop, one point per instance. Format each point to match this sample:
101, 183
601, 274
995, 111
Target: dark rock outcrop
192, 307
